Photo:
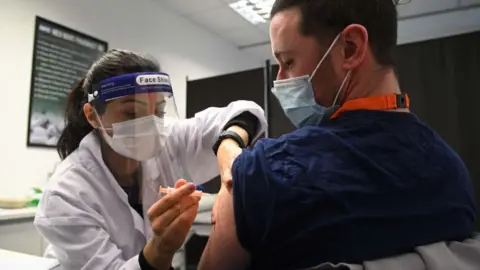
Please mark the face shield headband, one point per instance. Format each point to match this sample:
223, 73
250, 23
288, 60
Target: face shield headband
131, 84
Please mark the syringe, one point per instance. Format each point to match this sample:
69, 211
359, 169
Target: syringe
167, 190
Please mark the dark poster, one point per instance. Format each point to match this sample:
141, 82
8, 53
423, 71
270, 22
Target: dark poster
60, 57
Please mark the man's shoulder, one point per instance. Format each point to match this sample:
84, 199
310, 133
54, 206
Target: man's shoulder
298, 136
279, 157
295, 143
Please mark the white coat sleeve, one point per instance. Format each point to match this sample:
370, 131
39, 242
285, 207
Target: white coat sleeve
78, 239
198, 134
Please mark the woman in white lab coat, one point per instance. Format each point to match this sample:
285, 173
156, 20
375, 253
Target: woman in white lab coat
101, 208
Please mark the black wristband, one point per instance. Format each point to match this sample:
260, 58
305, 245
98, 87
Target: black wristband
228, 134
144, 265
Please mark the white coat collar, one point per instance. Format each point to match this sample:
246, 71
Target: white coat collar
92, 144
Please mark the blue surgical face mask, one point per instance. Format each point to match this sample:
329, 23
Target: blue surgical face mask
297, 100
296, 96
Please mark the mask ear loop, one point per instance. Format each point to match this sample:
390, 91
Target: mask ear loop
324, 57
341, 87
100, 122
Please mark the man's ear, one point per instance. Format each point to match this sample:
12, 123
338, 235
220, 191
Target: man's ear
90, 114
355, 37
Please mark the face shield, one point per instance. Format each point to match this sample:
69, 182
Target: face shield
135, 113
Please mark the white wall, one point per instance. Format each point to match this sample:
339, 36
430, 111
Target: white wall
141, 25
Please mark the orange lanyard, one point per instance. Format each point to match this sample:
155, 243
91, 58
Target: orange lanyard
385, 102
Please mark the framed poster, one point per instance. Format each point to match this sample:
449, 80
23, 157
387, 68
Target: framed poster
61, 56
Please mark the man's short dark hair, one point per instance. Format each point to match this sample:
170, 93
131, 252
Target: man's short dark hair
324, 19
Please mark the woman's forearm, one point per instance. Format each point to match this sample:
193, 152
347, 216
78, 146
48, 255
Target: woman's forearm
157, 259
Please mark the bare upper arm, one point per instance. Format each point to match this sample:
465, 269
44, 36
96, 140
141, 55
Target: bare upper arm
223, 250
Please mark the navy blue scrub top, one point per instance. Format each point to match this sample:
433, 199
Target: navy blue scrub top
366, 185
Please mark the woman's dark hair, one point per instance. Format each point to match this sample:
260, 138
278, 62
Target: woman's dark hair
112, 63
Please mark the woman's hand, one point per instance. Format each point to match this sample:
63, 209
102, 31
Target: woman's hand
171, 217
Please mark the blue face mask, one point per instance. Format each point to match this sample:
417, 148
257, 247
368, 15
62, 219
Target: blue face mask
297, 100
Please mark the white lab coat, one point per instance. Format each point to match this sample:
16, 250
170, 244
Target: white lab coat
85, 215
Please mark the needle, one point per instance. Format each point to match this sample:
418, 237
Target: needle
168, 190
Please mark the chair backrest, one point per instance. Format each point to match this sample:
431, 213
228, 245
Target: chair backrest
463, 255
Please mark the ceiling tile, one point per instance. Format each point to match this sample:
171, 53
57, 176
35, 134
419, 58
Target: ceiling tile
186, 7
229, 1
264, 27
245, 36
465, 3
220, 19
424, 6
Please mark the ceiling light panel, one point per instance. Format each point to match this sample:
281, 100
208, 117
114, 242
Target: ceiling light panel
254, 11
